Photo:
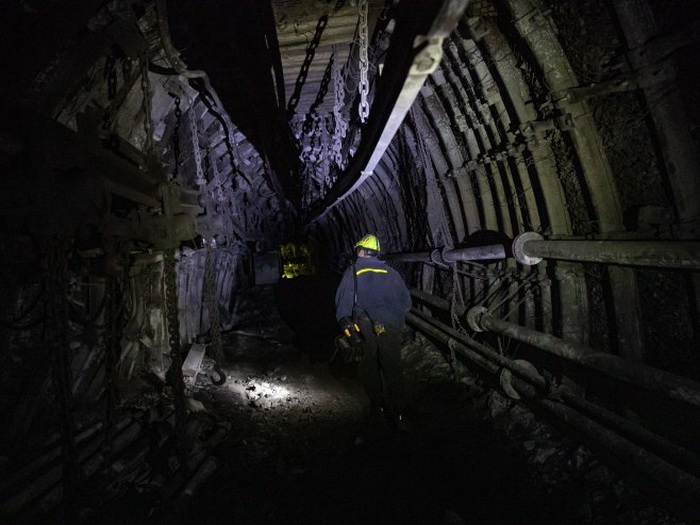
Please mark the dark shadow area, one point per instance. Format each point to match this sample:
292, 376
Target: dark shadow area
307, 305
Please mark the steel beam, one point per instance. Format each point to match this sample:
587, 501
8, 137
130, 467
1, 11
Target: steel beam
531, 248
421, 27
669, 385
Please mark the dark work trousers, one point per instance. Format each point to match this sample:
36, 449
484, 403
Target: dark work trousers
380, 369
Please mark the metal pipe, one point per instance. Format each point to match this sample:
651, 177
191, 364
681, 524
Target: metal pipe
90, 466
659, 445
425, 257
415, 319
19, 477
670, 477
170, 51
447, 255
531, 248
460, 343
476, 253
430, 299
670, 385
205, 470
51, 478
480, 354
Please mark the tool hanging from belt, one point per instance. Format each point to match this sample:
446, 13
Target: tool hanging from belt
351, 330
351, 343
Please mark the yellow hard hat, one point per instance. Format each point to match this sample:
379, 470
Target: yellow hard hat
369, 242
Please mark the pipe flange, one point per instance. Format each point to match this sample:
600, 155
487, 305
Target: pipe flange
436, 256
474, 318
518, 248
506, 378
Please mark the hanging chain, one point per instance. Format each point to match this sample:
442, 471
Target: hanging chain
310, 153
174, 373
56, 334
457, 299
322, 90
304, 71
216, 352
194, 133
316, 157
110, 75
112, 301
219, 189
148, 119
176, 137
363, 85
341, 125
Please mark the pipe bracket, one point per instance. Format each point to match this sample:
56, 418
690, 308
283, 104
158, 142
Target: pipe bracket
518, 248
506, 378
474, 318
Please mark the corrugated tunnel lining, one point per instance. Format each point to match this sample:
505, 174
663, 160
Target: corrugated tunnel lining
508, 135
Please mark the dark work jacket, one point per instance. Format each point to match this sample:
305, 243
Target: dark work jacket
381, 293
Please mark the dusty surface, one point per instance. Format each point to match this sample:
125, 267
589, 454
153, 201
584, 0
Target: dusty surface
303, 451
301, 448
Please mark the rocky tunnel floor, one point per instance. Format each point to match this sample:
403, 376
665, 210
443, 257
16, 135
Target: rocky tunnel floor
302, 449
297, 445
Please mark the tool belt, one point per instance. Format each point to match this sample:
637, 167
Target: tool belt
377, 328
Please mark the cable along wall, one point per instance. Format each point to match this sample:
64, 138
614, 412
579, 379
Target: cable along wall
535, 123
510, 136
506, 136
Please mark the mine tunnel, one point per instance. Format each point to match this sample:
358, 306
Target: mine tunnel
184, 184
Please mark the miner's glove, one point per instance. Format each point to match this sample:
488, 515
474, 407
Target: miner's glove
351, 330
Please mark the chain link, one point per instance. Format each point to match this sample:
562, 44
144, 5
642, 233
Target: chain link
212, 301
363, 85
341, 126
174, 373
111, 351
110, 75
316, 157
56, 341
194, 133
313, 153
147, 109
322, 90
304, 71
219, 194
176, 137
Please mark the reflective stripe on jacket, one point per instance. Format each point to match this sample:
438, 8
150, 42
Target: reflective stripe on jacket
381, 292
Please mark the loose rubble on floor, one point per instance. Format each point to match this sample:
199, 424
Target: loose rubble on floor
284, 440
